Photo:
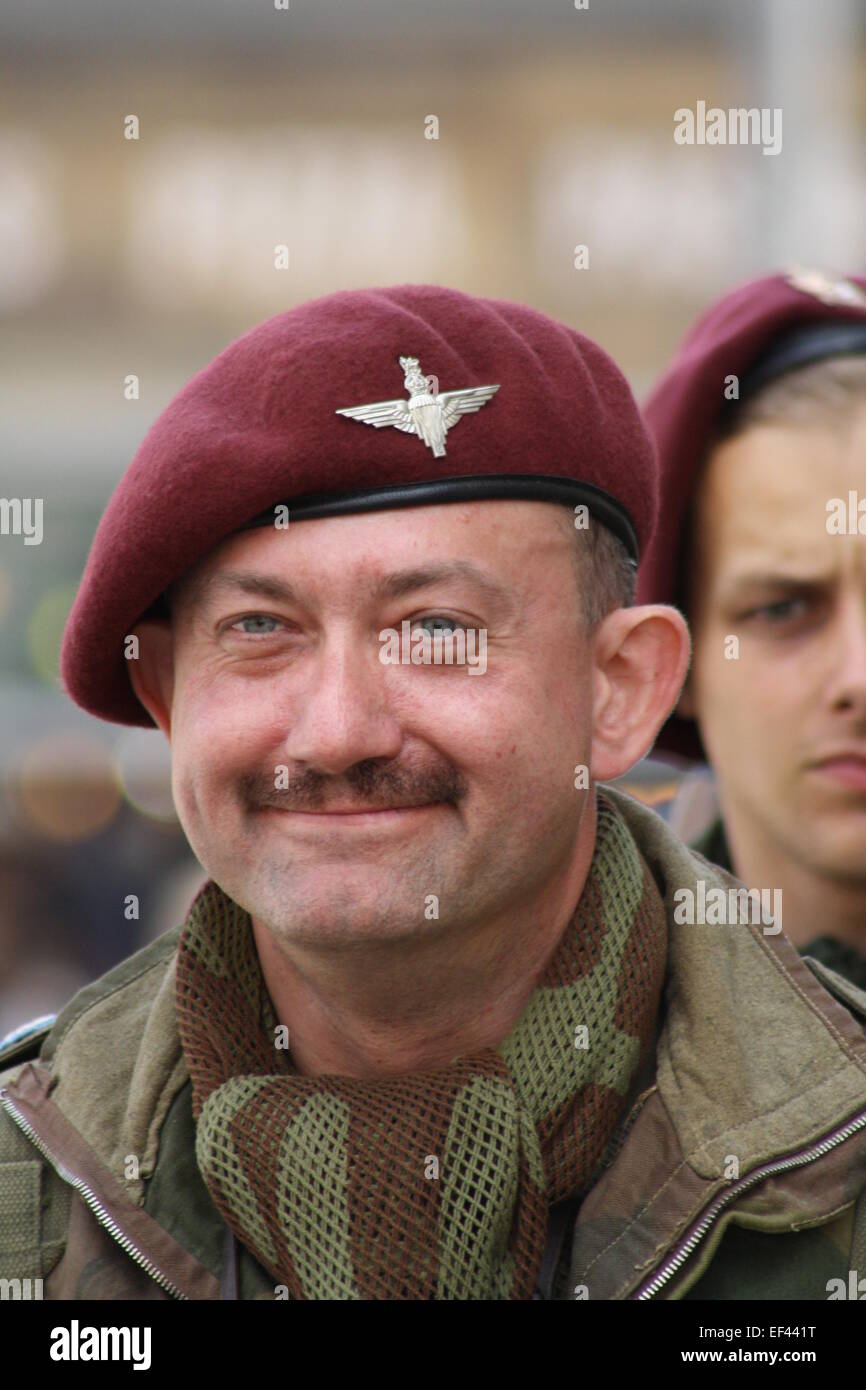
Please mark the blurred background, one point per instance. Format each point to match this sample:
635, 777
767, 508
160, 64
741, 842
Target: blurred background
305, 126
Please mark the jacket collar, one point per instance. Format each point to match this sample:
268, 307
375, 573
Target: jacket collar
756, 1062
755, 1059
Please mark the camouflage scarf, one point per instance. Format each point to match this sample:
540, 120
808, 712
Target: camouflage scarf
433, 1184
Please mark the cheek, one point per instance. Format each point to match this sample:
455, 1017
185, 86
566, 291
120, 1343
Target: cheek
743, 702
536, 736
514, 734
218, 734
213, 702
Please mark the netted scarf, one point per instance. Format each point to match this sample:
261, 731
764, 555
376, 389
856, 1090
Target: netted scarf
431, 1184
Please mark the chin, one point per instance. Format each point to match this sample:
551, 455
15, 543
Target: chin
834, 845
338, 932
316, 912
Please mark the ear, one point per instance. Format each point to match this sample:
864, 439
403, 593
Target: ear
641, 656
152, 674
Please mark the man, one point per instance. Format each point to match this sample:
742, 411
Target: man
761, 427
410, 1041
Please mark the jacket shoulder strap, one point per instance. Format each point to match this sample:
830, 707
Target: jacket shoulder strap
847, 993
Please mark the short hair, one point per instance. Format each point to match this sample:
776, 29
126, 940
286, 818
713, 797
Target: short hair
170, 596
821, 392
606, 574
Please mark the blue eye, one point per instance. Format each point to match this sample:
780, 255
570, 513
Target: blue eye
256, 618
449, 624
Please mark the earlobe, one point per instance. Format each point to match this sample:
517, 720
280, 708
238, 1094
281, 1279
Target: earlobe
151, 672
641, 658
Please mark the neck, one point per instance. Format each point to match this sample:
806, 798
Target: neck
813, 904
415, 1005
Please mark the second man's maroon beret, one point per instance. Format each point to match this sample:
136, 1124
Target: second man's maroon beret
756, 333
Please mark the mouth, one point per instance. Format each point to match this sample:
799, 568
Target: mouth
846, 770
382, 815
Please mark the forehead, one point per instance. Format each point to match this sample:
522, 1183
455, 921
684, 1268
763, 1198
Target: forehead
763, 495
504, 538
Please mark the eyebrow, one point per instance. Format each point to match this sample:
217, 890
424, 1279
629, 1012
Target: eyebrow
774, 579
394, 585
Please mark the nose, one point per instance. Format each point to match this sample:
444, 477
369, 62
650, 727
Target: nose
343, 713
847, 686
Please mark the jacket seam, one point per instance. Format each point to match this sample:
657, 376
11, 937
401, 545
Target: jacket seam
660, 1245
699, 1150
818, 1011
808, 1224
700, 1263
59, 1038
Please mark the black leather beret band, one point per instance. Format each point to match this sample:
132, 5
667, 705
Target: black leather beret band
516, 486
801, 348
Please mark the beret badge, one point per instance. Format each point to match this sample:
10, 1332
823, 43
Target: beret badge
428, 413
830, 289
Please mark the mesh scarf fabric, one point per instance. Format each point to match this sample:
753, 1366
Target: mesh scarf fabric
328, 1180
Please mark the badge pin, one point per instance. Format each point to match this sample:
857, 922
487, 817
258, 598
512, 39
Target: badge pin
830, 289
429, 414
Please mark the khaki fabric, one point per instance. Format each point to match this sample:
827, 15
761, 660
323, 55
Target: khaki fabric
755, 1060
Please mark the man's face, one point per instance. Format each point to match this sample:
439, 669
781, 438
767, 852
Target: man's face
784, 722
276, 665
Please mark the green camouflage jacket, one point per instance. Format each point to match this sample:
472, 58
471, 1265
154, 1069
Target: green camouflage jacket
738, 1170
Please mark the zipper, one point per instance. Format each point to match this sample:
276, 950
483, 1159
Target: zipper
798, 1160
89, 1196
648, 1290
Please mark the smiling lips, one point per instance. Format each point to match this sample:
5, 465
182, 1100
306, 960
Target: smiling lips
354, 814
847, 769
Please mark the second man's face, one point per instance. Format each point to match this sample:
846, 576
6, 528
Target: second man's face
778, 681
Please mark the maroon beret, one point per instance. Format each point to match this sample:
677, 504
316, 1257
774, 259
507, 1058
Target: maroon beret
260, 426
758, 332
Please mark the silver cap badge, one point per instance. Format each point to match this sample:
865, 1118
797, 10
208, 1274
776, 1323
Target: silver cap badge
830, 289
429, 413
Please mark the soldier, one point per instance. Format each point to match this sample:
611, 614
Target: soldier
760, 423
409, 1042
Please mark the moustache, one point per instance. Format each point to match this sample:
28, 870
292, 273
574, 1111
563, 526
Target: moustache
368, 786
